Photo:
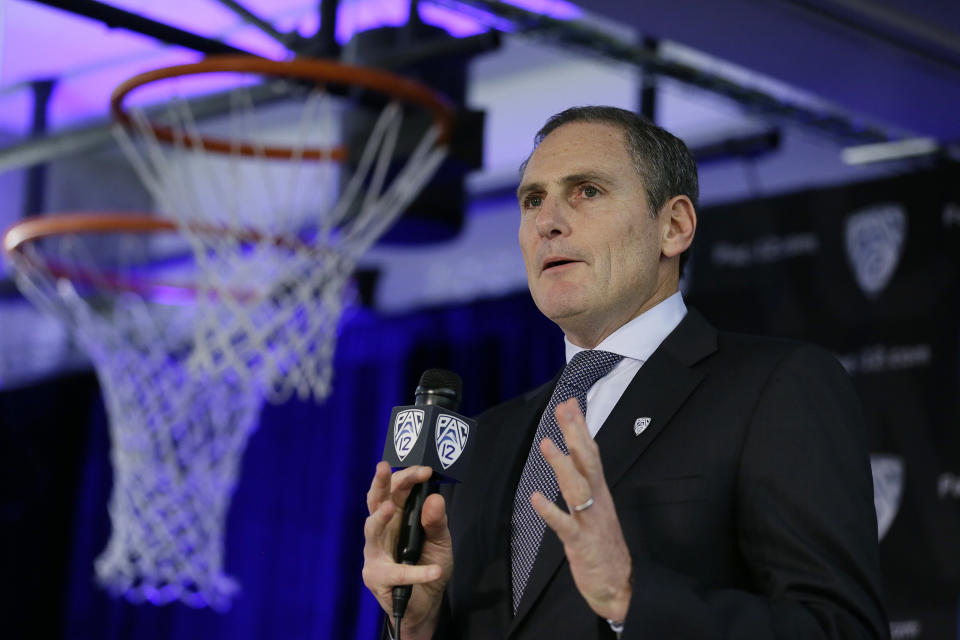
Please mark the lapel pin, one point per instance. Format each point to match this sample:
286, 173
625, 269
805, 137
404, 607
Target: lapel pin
640, 425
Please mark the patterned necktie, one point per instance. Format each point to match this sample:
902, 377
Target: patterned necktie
583, 370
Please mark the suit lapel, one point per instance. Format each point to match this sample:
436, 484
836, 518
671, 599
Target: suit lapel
657, 390
505, 447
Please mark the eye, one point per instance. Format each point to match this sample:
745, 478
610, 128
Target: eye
590, 191
532, 201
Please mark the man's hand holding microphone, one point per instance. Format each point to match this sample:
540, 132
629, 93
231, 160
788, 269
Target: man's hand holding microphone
407, 539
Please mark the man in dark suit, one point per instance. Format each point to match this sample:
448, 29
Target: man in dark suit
696, 484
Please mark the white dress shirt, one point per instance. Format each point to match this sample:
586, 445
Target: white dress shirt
635, 341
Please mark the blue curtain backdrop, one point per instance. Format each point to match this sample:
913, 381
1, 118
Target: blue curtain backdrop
295, 527
870, 271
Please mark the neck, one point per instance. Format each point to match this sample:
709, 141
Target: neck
590, 335
587, 331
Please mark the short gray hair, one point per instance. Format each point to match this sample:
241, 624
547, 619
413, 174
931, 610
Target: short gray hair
663, 161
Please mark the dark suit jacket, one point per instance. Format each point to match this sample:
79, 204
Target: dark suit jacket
747, 503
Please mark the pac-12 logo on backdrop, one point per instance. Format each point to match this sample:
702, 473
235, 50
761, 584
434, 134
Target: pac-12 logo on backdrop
887, 489
451, 439
874, 239
406, 430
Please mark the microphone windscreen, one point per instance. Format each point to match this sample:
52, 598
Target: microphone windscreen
440, 379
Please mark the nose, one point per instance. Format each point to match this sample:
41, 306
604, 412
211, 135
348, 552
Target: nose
552, 219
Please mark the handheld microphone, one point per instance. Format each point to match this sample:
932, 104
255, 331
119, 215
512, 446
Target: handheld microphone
427, 433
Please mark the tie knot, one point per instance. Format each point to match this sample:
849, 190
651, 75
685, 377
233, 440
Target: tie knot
588, 366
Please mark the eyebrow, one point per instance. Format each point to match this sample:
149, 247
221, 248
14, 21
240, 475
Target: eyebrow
573, 178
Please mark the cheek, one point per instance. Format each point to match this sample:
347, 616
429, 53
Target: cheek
634, 254
527, 247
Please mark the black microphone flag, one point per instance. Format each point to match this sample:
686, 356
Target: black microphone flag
431, 436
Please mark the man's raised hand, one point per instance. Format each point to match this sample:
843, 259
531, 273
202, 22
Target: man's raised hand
592, 537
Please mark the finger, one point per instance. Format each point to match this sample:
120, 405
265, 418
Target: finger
573, 485
382, 576
375, 529
379, 487
561, 523
434, 517
401, 482
583, 449
573, 425
395, 574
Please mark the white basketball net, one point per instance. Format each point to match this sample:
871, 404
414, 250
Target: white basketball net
271, 244
177, 435
270, 303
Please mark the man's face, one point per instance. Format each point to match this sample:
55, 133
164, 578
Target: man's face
591, 248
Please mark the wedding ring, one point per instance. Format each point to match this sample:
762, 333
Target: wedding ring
583, 507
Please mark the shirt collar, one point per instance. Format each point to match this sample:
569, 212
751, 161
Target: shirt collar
640, 337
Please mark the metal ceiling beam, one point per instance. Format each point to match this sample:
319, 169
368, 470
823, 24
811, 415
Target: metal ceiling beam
251, 18
34, 151
118, 18
897, 28
577, 35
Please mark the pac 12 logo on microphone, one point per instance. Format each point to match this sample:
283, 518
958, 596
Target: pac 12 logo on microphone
451, 439
406, 430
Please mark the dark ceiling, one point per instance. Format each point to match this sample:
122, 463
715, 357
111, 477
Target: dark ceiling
894, 61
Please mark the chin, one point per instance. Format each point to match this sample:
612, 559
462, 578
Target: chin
558, 310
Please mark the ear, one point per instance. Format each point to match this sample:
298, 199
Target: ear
679, 224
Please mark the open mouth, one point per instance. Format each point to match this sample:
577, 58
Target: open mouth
556, 263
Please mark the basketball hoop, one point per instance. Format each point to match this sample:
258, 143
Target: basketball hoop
191, 322
121, 283
294, 208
